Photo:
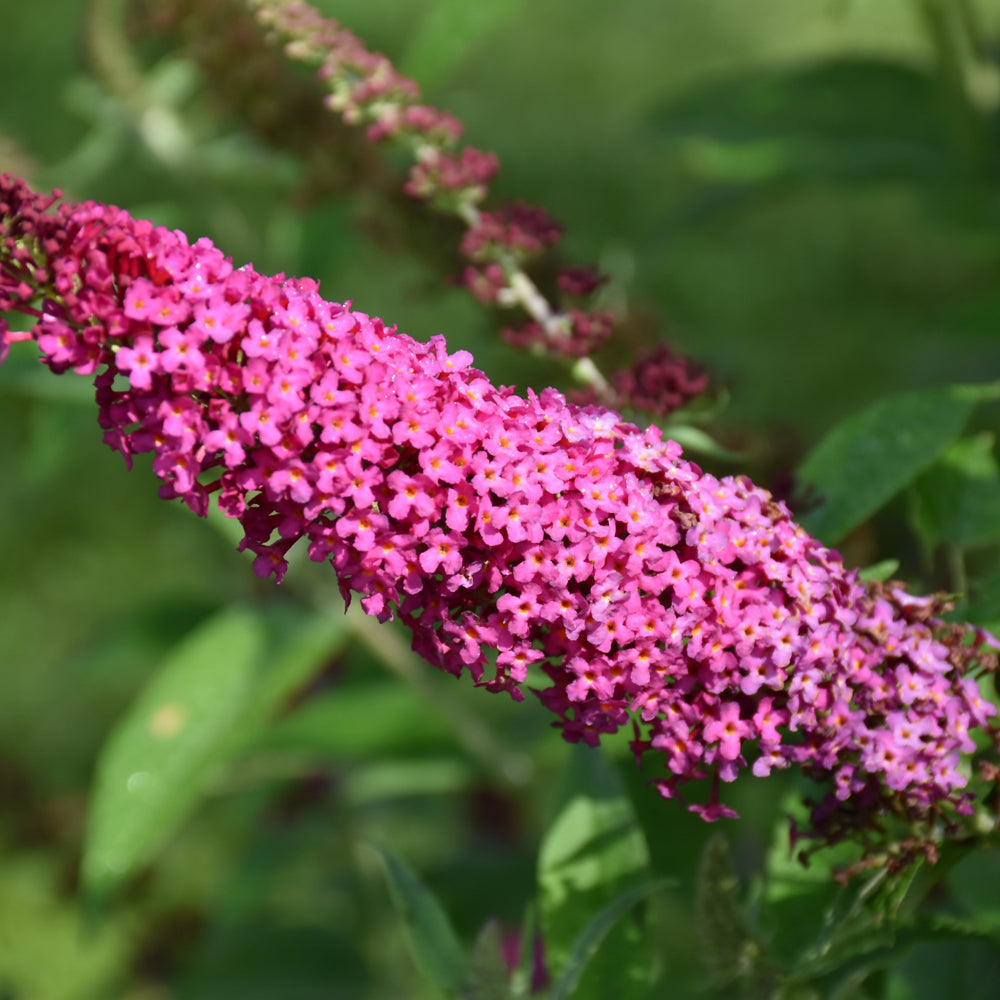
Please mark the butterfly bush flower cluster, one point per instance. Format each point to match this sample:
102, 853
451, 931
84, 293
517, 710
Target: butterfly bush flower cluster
499, 245
518, 537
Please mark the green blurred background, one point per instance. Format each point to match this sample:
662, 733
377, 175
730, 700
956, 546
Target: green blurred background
800, 194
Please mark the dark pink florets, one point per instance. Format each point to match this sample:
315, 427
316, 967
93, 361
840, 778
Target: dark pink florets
516, 228
659, 382
468, 172
512, 534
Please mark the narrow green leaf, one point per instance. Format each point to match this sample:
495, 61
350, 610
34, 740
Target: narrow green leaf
211, 696
862, 928
694, 439
429, 932
872, 455
593, 851
880, 946
593, 934
374, 719
880, 571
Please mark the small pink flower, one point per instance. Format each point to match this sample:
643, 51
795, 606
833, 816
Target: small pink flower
728, 729
140, 362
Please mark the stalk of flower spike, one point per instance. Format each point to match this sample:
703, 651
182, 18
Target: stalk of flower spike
512, 535
499, 245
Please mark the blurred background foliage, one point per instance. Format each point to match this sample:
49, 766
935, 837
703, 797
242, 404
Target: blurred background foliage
800, 194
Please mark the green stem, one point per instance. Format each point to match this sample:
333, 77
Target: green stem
958, 581
521, 289
111, 54
512, 767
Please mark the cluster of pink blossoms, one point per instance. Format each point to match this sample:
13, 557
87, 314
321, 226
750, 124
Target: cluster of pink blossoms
659, 382
511, 534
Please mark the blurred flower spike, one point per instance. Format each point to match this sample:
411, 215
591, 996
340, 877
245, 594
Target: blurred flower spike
499, 246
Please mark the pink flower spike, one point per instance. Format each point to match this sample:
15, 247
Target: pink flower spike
499, 528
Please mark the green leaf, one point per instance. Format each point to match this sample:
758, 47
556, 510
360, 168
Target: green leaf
880, 571
801, 901
46, 951
846, 119
975, 887
431, 937
374, 719
835, 935
984, 604
929, 970
957, 945
594, 933
593, 851
957, 500
872, 455
694, 439
381, 780
216, 689
449, 32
